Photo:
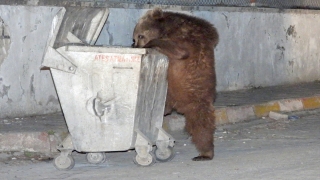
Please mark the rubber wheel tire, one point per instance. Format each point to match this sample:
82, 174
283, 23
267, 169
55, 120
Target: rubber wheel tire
165, 156
148, 161
96, 158
63, 163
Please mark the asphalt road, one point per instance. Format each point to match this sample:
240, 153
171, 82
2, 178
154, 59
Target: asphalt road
259, 149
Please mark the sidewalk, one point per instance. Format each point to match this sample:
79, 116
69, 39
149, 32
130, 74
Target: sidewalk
43, 133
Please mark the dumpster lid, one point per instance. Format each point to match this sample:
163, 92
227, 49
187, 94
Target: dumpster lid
80, 25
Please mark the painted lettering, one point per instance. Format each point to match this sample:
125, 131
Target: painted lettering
117, 58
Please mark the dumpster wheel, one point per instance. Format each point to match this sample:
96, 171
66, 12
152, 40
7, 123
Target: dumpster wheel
148, 160
64, 162
96, 158
164, 155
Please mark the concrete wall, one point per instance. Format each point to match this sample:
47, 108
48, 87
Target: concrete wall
258, 47
24, 89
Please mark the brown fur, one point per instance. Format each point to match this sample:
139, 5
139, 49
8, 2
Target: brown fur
189, 43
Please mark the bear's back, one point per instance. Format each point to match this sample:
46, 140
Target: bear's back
192, 27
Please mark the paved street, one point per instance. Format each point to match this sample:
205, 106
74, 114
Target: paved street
258, 149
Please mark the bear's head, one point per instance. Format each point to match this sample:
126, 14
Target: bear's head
148, 28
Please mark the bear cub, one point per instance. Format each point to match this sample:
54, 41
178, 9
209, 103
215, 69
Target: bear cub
189, 44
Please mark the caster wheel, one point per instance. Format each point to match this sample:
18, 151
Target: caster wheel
63, 162
165, 155
146, 161
96, 158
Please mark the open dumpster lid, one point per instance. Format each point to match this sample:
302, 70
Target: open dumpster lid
80, 25
70, 26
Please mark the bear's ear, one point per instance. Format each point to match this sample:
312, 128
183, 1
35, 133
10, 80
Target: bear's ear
156, 13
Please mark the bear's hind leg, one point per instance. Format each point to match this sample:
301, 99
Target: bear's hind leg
200, 125
203, 140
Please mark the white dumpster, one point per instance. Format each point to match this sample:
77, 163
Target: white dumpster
112, 98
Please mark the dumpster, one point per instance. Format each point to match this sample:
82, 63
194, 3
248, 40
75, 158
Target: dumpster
112, 98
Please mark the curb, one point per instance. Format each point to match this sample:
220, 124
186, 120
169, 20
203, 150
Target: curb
233, 114
40, 142
227, 115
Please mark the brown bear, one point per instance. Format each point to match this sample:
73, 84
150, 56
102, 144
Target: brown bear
189, 44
